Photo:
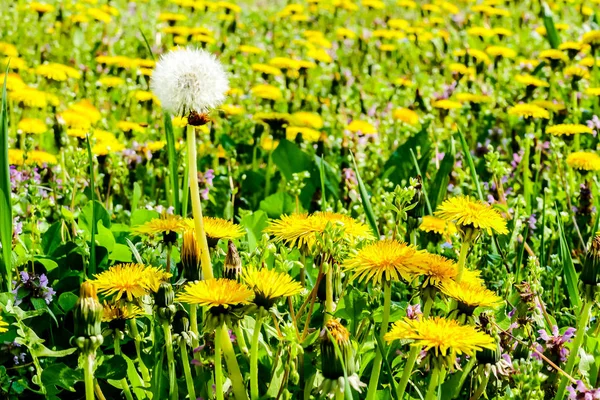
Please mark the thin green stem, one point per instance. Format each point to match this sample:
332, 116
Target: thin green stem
138, 350
197, 205
185, 360
194, 328
581, 326
88, 376
117, 345
482, 386
239, 334
171, 360
462, 258
329, 304
218, 366
268, 174
254, 357
235, 374
464, 375
387, 303
433, 384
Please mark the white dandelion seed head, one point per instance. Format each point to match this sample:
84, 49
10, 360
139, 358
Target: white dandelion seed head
189, 79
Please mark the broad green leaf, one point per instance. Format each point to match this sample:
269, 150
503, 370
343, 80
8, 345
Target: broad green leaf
254, 223
51, 239
141, 216
290, 159
121, 253
401, 163
113, 367
85, 219
67, 301
61, 375
105, 238
438, 189
277, 204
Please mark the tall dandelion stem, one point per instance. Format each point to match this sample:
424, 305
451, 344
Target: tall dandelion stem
254, 357
194, 328
117, 345
218, 366
462, 258
581, 326
433, 384
329, 304
171, 360
197, 205
235, 374
185, 360
387, 303
138, 349
239, 334
88, 372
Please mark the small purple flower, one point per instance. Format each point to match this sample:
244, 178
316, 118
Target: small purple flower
594, 124
532, 221
555, 343
413, 312
581, 392
33, 285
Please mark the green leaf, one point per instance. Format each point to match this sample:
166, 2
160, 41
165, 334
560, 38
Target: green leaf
51, 239
6, 221
137, 195
472, 170
105, 237
61, 375
135, 379
438, 190
353, 307
40, 304
400, 162
85, 218
551, 32
48, 263
67, 301
121, 253
254, 223
42, 351
141, 216
277, 204
290, 159
569, 273
365, 200
114, 367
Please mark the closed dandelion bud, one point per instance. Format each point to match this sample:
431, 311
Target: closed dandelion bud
88, 317
232, 268
163, 300
590, 274
331, 365
418, 200
190, 257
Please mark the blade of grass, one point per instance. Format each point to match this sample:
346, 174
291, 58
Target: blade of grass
365, 199
386, 362
568, 267
6, 222
551, 32
147, 44
412, 153
92, 265
467, 154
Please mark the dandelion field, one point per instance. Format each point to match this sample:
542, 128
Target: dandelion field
326, 199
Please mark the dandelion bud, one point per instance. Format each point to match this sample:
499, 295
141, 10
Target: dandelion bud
163, 299
590, 274
331, 365
232, 268
190, 257
88, 316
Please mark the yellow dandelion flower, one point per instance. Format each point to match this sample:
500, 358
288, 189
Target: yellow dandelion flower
232, 110
576, 73
592, 91
591, 38
219, 228
307, 134
99, 15
168, 17
568, 129
119, 312
34, 157
530, 80
128, 126
435, 270
584, 161
307, 119
221, 293
164, 225
384, 261
300, 230
553, 55
471, 295
3, 325
129, 280
8, 49
269, 286
107, 147
363, 127
445, 337
501, 51
266, 69
445, 104
468, 213
84, 107
549, 105
345, 33
406, 115
589, 62
529, 111
461, 69
75, 120
480, 31
155, 146
179, 122
13, 81
479, 55
41, 8
266, 91
440, 226
473, 98
29, 97
403, 82
250, 49
32, 126
143, 96
503, 32
573, 46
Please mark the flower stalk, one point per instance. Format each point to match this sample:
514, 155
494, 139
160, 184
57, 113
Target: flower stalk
387, 302
170, 359
254, 357
235, 374
185, 360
